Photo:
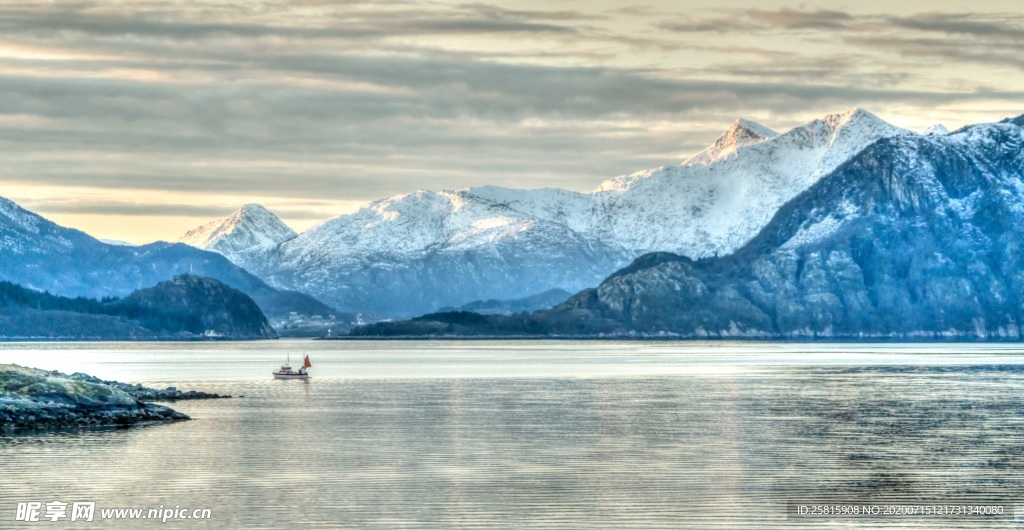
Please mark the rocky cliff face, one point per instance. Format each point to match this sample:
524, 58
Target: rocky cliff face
915, 237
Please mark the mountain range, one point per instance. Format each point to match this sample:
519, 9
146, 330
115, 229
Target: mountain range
418, 252
915, 237
41, 255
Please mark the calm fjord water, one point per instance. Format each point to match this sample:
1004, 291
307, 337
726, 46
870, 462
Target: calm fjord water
536, 434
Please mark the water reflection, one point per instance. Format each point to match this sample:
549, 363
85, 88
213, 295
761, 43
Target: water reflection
713, 449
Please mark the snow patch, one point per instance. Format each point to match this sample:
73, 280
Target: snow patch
117, 243
825, 227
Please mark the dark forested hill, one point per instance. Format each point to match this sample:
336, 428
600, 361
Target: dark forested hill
184, 307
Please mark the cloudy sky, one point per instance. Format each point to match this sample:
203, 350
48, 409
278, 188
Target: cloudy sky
137, 120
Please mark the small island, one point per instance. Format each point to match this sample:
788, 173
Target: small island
33, 399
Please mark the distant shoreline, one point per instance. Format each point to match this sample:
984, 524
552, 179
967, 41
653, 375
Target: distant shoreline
527, 338
100, 339
835, 340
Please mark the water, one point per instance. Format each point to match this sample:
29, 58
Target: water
541, 435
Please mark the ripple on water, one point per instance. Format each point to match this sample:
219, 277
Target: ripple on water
720, 449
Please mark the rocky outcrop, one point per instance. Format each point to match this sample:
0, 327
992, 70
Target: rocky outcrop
32, 399
143, 393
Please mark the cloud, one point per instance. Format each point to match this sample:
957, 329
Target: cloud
944, 51
984, 26
459, 123
371, 21
308, 210
355, 101
788, 18
106, 207
714, 25
1005, 26
762, 20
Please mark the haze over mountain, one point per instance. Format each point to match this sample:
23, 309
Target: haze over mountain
417, 252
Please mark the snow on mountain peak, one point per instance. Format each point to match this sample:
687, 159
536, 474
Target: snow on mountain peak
117, 243
250, 228
936, 130
851, 114
18, 216
705, 206
710, 205
740, 134
855, 121
253, 208
811, 150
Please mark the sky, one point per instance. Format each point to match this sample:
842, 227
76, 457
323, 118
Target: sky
138, 120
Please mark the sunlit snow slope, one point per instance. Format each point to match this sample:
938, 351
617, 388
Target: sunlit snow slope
416, 252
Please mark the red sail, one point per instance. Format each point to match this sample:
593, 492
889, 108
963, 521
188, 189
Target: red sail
306, 363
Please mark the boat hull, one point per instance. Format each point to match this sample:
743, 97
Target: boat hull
290, 376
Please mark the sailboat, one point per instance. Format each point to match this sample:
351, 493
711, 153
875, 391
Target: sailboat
286, 371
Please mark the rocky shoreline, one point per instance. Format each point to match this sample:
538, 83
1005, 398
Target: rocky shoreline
33, 399
143, 393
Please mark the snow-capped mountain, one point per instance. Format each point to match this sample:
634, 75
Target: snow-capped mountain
250, 231
41, 255
936, 130
422, 251
914, 238
23, 233
417, 252
700, 210
740, 134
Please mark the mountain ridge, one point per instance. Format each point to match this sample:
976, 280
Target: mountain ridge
42, 255
913, 238
916, 237
421, 251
